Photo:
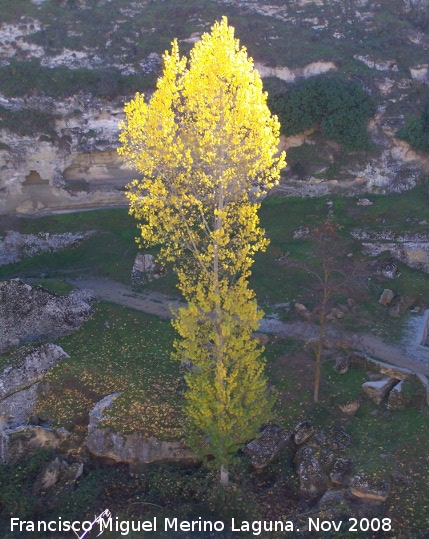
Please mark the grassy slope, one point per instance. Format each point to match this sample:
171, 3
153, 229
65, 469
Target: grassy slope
131, 353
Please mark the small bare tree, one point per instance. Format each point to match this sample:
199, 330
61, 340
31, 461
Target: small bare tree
334, 274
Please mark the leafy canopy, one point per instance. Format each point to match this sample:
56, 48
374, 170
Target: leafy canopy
206, 145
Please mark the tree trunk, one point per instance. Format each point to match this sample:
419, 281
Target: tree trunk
224, 475
319, 348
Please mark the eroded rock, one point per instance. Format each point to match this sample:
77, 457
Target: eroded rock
16, 409
15, 246
312, 479
386, 297
27, 440
378, 390
350, 407
341, 471
303, 432
30, 369
132, 448
262, 450
369, 490
30, 313
145, 269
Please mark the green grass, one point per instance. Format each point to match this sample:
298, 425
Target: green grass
118, 349
110, 252
54, 285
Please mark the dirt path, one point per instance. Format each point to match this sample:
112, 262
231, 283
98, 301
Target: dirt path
161, 304
148, 301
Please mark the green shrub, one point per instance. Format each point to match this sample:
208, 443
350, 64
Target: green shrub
416, 131
339, 108
27, 122
30, 78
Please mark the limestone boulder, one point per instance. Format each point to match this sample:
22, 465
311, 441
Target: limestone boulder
369, 490
133, 448
30, 313
30, 369
350, 407
342, 364
377, 391
25, 441
145, 269
261, 451
303, 432
17, 409
386, 369
302, 311
397, 400
386, 297
300, 232
312, 479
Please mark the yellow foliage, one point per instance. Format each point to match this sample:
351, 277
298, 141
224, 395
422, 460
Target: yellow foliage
206, 147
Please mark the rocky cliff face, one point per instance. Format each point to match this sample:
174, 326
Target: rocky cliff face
76, 167
67, 159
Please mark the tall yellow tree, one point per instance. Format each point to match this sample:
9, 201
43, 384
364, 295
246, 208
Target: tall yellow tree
206, 145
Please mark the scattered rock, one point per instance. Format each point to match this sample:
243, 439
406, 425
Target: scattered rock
364, 202
386, 297
145, 269
377, 391
420, 73
369, 490
57, 471
387, 268
312, 479
261, 451
334, 314
302, 310
350, 407
400, 304
131, 448
342, 364
339, 439
351, 303
301, 232
303, 432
